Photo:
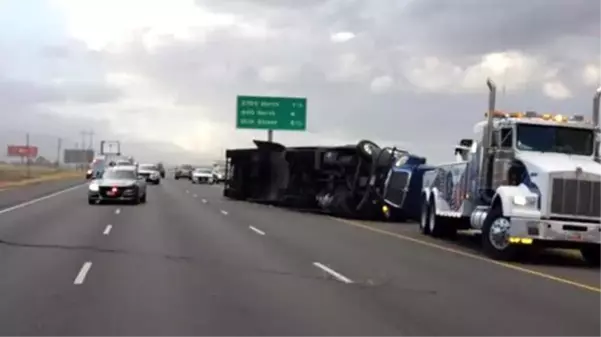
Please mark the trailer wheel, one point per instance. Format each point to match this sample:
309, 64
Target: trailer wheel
495, 236
591, 255
367, 149
425, 217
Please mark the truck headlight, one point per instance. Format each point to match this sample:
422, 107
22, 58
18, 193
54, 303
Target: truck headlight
526, 201
94, 187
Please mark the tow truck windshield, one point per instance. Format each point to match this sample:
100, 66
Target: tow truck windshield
559, 139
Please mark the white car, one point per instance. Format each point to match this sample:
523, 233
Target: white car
218, 175
202, 175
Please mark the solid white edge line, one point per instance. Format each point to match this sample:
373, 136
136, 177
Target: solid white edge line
223, 212
31, 202
107, 230
332, 272
81, 276
258, 231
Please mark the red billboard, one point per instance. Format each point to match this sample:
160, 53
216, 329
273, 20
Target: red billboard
22, 151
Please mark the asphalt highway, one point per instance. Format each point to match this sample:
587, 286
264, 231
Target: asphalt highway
190, 262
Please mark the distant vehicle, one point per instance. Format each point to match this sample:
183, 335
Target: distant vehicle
122, 162
218, 174
202, 175
150, 172
161, 169
184, 171
96, 169
120, 183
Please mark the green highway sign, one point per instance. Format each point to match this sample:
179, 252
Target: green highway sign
271, 113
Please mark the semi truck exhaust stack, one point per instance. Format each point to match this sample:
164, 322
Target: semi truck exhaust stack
595, 121
492, 97
596, 107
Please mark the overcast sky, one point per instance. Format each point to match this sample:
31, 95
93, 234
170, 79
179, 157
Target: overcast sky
404, 72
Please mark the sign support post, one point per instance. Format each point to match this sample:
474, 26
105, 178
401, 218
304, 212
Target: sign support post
270, 135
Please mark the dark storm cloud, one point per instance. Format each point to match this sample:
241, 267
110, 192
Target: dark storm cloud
240, 6
387, 35
480, 26
88, 92
23, 93
14, 92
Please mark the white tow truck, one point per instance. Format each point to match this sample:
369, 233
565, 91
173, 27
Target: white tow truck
528, 180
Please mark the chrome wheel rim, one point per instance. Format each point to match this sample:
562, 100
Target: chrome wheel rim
432, 220
424, 218
498, 235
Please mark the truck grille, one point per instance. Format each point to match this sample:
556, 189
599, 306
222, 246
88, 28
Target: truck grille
576, 197
395, 192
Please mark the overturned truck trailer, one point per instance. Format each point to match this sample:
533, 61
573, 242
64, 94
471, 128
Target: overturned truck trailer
359, 181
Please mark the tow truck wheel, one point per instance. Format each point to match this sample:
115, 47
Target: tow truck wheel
425, 217
435, 223
91, 201
495, 236
591, 255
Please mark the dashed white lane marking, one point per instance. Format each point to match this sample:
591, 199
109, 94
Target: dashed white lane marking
332, 272
187, 192
223, 212
204, 201
107, 230
195, 196
31, 202
118, 210
81, 276
258, 231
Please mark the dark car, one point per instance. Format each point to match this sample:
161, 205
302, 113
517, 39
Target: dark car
161, 169
119, 183
218, 175
150, 172
96, 169
184, 171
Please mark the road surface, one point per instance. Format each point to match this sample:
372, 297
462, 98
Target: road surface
192, 263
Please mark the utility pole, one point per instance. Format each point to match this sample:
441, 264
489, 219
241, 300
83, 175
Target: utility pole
28, 157
91, 134
59, 145
83, 139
